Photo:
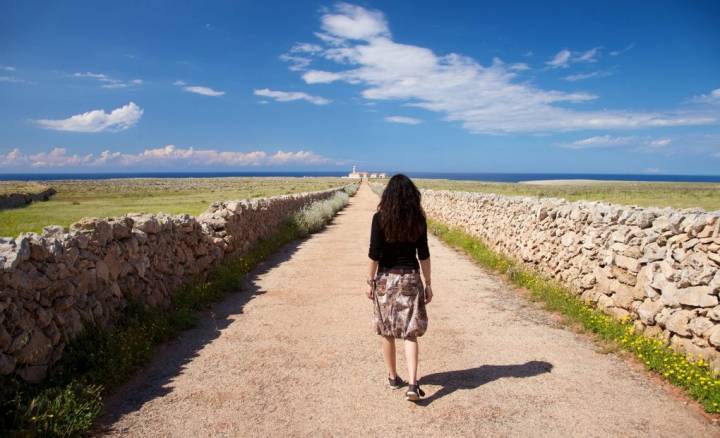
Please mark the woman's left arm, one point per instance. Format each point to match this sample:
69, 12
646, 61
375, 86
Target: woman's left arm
371, 277
374, 253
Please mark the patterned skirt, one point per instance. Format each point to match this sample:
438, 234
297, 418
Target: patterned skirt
399, 304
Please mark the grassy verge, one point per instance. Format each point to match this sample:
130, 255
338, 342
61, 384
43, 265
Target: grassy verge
694, 376
68, 402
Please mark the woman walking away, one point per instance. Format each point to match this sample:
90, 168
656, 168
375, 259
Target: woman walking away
399, 230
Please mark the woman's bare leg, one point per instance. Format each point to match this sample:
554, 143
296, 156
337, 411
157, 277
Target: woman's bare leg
388, 348
411, 357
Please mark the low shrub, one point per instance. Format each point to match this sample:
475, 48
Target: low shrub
695, 376
351, 189
377, 188
314, 217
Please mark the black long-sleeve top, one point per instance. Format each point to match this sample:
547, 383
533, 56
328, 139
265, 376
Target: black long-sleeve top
397, 254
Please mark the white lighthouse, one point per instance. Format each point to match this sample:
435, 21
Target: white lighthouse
356, 174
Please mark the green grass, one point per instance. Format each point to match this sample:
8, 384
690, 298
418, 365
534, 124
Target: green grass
694, 376
678, 195
116, 197
67, 403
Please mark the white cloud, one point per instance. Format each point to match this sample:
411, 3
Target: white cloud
583, 76
198, 89
7, 68
659, 143
320, 77
118, 119
485, 99
588, 56
608, 141
306, 48
282, 157
620, 52
354, 22
297, 56
289, 96
712, 97
107, 81
166, 156
563, 58
297, 63
205, 91
520, 66
12, 79
404, 120
560, 60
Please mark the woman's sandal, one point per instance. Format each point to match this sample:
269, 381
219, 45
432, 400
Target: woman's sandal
414, 392
396, 383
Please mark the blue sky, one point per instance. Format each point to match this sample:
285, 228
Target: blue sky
616, 87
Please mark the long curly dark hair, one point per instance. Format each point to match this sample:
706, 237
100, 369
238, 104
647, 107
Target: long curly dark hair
401, 214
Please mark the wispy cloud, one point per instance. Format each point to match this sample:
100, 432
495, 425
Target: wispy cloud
198, 89
608, 141
289, 96
7, 68
583, 76
589, 55
297, 63
107, 81
485, 99
118, 119
621, 51
205, 91
166, 156
12, 79
712, 97
563, 58
403, 119
519, 66
560, 60
297, 56
306, 48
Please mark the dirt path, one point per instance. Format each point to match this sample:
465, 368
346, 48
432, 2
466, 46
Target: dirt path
294, 354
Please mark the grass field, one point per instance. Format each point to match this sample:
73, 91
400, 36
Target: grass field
115, 197
678, 195
8, 187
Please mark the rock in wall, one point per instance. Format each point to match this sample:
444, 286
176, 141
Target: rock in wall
659, 267
54, 284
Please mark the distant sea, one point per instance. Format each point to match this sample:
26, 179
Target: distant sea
494, 177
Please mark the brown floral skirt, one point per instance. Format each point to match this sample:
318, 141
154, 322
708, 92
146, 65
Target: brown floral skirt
399, 304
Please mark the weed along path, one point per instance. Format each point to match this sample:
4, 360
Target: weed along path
294, 354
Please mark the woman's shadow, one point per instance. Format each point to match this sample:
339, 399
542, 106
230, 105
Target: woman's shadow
472, 378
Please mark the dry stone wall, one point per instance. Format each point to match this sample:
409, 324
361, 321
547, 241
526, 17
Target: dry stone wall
54, 284
13, 200
660, 267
